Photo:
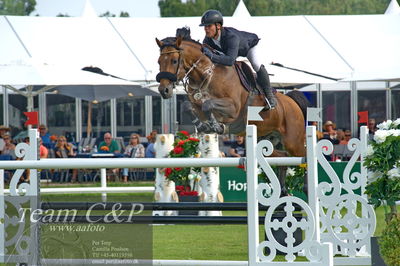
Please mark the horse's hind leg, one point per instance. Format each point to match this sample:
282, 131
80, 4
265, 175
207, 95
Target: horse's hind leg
282, 176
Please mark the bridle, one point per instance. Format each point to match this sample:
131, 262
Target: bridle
168, 75
174, 77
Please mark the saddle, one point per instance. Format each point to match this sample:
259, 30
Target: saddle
247, 77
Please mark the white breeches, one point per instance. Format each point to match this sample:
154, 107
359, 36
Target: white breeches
254, 56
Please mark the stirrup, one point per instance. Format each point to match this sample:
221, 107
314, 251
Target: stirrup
268, 105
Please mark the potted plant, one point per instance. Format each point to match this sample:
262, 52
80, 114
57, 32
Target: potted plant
383, 163
185, 178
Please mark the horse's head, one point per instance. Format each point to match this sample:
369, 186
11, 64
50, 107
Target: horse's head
171, 66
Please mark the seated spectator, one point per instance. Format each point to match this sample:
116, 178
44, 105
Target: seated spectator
45, 136
238, 148
43, 151
330, 132
133, 150
150, 152
110, 144
9, 147
3, 131
340, 135
347, 137
371, 128
63, 149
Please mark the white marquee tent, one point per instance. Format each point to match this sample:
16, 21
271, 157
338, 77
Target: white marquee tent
362, 47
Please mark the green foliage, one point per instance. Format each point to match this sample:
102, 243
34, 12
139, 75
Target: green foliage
17, 7
295, 179
107, 14
389, 242
124, 14
184, 147
177, 8
383, 163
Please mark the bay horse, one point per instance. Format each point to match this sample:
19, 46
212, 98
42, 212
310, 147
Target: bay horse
219, 101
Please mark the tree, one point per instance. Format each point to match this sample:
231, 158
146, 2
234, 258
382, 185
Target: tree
177, 8
17, 7
108, 14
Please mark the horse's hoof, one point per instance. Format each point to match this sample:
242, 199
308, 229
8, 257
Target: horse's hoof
219, 129
204, 128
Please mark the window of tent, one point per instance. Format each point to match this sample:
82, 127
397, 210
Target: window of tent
101, 118
336, 108
60, 114
130, 116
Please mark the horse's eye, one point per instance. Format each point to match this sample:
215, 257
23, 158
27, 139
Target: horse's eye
174, 61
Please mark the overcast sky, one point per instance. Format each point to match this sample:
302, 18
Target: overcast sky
135, 8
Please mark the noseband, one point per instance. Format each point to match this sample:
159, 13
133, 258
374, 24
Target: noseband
168, 75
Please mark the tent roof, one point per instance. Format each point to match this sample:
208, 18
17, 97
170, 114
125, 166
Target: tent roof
344, 47
393, 8
241, 11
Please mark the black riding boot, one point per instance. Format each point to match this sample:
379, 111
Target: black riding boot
263, 80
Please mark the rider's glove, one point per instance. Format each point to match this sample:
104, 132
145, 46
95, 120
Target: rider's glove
208, 52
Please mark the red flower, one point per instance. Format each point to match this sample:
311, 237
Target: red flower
178, 169
188, 193
167, 171
179, 188
185, 133
180, 143
178, 150
194, 139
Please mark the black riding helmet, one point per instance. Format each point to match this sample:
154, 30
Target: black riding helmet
211, 17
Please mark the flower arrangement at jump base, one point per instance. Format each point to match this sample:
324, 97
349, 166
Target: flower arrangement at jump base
185, 178
383, 185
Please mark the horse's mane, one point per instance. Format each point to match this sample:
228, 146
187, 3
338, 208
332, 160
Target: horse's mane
183, 32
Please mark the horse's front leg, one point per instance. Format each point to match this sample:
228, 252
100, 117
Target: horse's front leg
223, 109
197, 117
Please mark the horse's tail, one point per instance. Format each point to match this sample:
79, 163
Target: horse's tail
300, 99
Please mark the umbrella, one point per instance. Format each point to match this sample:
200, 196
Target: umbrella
71, 82
100, 93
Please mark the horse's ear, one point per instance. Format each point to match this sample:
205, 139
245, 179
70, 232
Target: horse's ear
178, 41
159, 43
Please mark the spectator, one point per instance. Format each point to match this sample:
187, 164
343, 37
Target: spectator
150, 152
112, 145
330, 132
9, 147
3, 130
43, 151
340, 135
371, 128
347, 137
63, 149
45, 136
238, 148
133, 150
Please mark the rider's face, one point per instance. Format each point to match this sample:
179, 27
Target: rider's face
211, 30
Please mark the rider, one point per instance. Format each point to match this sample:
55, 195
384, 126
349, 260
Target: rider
233, 43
